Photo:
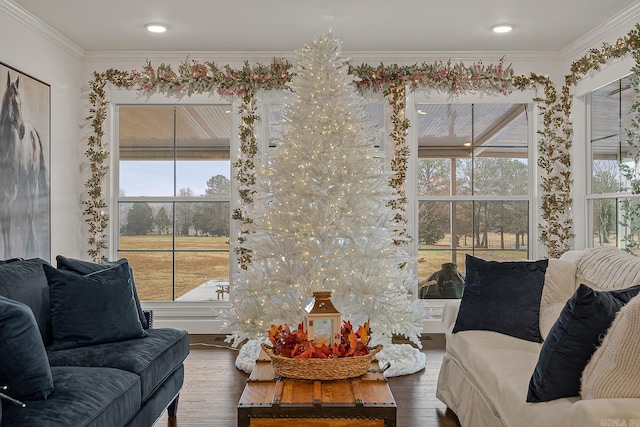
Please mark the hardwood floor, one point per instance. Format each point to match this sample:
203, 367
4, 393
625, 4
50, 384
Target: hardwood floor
213, 386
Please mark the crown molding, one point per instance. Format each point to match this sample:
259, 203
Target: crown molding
40, 28
409, 57
614, 69
626, 17
179, 56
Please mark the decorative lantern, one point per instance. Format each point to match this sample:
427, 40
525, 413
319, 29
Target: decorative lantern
322, 320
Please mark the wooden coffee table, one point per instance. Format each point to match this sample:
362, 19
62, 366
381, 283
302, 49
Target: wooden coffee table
268, 401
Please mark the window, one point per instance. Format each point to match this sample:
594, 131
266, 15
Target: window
472, 185
174, 199
276, 125
614, 217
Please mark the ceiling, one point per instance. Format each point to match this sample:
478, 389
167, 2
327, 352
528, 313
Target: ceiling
363, 26
287, 25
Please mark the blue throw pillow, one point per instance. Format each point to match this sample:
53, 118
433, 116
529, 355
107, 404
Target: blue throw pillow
572, 341
24, 281
92, 309
24, 366
502, 297
87, 267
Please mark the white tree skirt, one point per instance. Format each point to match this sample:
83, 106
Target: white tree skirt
249, 353
404, 358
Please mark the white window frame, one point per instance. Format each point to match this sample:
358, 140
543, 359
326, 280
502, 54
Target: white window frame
201, 317
197, 317
435, 306
581, 112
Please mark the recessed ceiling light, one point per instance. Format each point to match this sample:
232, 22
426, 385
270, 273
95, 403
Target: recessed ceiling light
156, 28
502, 28
421, 112
467, 144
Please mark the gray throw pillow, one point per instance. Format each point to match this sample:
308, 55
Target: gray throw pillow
87, 267
24, 281
24, 366
92, 309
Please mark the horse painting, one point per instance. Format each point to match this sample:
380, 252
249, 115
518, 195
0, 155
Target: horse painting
24, 186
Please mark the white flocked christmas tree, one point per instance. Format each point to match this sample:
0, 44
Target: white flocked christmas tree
325, 222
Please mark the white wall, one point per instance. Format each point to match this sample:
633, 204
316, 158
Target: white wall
200, 317
76, 71
44, 54
30, 46
40, 55
609, 32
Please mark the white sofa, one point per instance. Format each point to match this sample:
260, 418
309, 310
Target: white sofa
485, 375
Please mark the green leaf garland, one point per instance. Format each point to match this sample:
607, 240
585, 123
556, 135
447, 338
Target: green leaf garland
393, 80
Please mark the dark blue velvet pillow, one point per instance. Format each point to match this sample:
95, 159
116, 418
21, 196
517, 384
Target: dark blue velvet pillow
87, 267
502, 297
24, 281
572, 341
92, 309
24, 366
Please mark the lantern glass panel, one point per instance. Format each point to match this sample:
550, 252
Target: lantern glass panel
323, 330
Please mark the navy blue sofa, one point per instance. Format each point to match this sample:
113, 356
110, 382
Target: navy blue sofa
126, 378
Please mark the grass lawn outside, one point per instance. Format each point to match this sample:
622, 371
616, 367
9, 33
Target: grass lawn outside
199, 259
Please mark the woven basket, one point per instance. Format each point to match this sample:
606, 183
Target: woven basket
338, 368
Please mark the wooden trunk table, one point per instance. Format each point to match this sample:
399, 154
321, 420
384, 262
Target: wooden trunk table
268, 401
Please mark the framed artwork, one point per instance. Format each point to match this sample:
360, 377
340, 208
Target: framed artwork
25, 133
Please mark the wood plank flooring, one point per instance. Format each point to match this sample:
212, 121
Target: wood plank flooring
213, 386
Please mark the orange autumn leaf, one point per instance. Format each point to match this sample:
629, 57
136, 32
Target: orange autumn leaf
323, 349
363, 333
353, 340
274, 332
295, 344
346, 330
311, 353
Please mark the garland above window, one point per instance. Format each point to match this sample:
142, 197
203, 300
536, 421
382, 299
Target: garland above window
194, 77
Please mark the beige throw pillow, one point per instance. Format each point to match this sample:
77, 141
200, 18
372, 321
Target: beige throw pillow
559, 282
607, 268
613, 370
559, 286
549, 313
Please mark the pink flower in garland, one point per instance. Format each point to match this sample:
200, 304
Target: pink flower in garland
198, 71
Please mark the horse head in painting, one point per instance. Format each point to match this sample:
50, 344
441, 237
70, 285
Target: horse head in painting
23, 177
12, 108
